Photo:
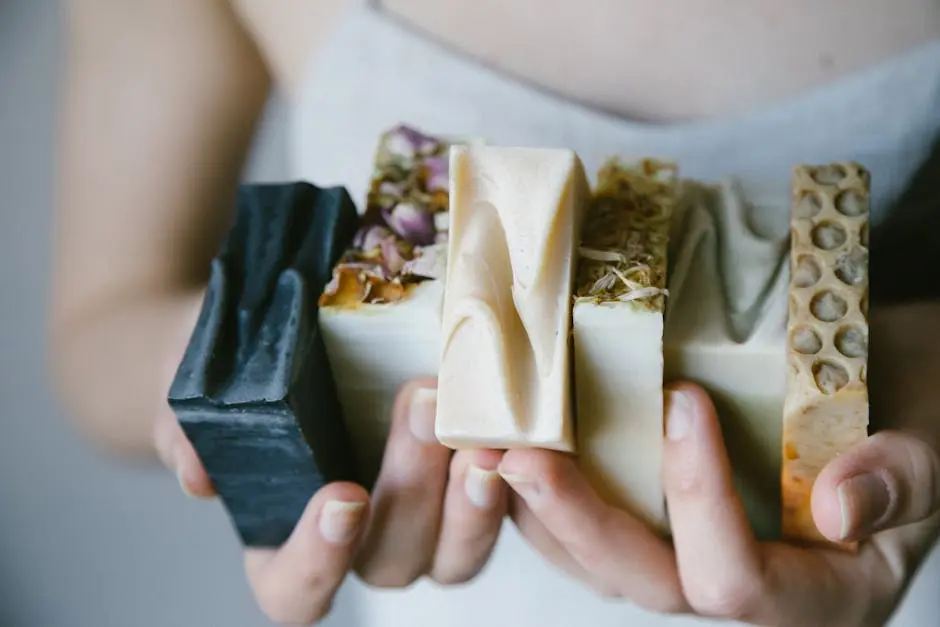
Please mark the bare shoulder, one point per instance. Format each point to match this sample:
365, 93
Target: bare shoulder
288, 32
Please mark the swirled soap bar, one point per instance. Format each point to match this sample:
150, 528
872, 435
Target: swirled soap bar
516, 217
826, 408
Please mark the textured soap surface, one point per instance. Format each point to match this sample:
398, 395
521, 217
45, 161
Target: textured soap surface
380, 313
618, 335
516, 217
826, 409
726, 325
254, 392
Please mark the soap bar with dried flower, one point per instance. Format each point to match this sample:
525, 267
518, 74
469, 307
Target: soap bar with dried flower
620, 298
380, 313
254, 392
826, 407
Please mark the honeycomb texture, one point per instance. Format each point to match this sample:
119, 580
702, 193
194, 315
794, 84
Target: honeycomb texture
826, 408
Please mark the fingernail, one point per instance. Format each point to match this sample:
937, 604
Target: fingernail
482, 486
864, 501
183, 486
421, 414
678, 415
339, 521
179, 463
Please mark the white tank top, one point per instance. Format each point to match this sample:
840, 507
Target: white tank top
373, 74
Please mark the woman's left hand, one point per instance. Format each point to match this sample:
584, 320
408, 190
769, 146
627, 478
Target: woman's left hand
884, 492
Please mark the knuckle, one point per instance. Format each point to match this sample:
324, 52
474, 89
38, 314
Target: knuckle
666, 601
684, 479
302, 598
551, 471
730, 600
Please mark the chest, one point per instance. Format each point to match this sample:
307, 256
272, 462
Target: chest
677, 59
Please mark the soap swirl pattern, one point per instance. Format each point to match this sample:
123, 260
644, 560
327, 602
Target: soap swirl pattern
716, 221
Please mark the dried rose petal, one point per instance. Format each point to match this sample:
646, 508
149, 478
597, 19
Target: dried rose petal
370, 237
438, 176
404, 226
398, 144
394, 261
411, 223
388, 188
430, 262
421, 143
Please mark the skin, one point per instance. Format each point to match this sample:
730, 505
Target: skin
143, 202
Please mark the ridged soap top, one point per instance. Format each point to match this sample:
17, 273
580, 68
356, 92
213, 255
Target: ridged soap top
259, 312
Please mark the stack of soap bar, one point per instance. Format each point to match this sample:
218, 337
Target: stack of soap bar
618, 335
516, 217
826, 409
254, 392
726, 326
380, 313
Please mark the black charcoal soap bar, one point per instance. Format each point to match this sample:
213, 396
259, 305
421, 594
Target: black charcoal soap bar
254, 392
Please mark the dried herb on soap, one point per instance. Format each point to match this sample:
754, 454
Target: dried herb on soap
622, 257
403, 238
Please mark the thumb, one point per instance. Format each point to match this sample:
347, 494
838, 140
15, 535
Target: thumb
889, 480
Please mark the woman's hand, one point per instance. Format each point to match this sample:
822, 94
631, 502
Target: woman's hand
885, 492
432, 513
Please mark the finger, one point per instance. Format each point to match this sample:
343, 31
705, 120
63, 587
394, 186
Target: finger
725, 572
889, 480
717, 553
622, 555
542, 540
409, 494
474, 508
295, 583
177, 454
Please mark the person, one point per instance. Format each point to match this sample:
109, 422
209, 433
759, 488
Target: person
161, 106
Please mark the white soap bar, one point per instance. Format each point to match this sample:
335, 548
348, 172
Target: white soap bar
826, 409
726, 326
618, 336
515, 216
380, 317
374, 349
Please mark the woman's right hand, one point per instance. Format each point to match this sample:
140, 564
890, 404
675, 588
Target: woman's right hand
433, 512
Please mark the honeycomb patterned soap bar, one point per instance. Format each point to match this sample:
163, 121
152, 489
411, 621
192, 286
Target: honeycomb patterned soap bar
826, 407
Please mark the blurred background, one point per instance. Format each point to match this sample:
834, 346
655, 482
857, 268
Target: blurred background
85, 541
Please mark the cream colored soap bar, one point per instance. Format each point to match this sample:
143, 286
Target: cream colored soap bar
618, 335
826, 409
726, 323
515, 217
